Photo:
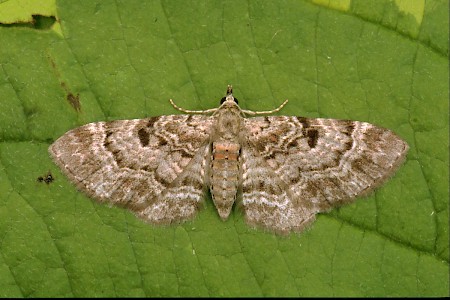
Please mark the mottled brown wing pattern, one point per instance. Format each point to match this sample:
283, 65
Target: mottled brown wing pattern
281, 170
322, 162
267, 201
154, 166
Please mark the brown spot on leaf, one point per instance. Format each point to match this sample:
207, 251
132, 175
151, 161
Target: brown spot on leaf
38, 22
74, 101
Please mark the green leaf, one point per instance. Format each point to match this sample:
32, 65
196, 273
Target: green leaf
384, 62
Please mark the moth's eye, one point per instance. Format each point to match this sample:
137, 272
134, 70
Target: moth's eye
236, 100
222, 100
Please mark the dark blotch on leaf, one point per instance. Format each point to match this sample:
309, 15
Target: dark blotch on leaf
74, 101
39, 22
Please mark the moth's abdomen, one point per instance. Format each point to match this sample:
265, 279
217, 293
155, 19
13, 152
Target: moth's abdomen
224, 176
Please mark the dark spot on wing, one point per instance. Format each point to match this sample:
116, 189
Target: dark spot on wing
151, 121
309, 132
107, 142
292, 144
162, 141
143, 137
313, 135
303, 121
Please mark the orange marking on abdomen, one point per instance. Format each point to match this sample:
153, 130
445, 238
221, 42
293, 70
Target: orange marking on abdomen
224, 175
226, 151
225, 155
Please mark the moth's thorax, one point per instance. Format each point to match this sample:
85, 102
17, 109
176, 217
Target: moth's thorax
229, 121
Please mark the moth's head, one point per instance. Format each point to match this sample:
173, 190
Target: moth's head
229, 97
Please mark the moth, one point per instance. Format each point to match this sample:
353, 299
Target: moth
279, 171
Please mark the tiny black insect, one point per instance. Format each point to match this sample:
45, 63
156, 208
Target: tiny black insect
48, 178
